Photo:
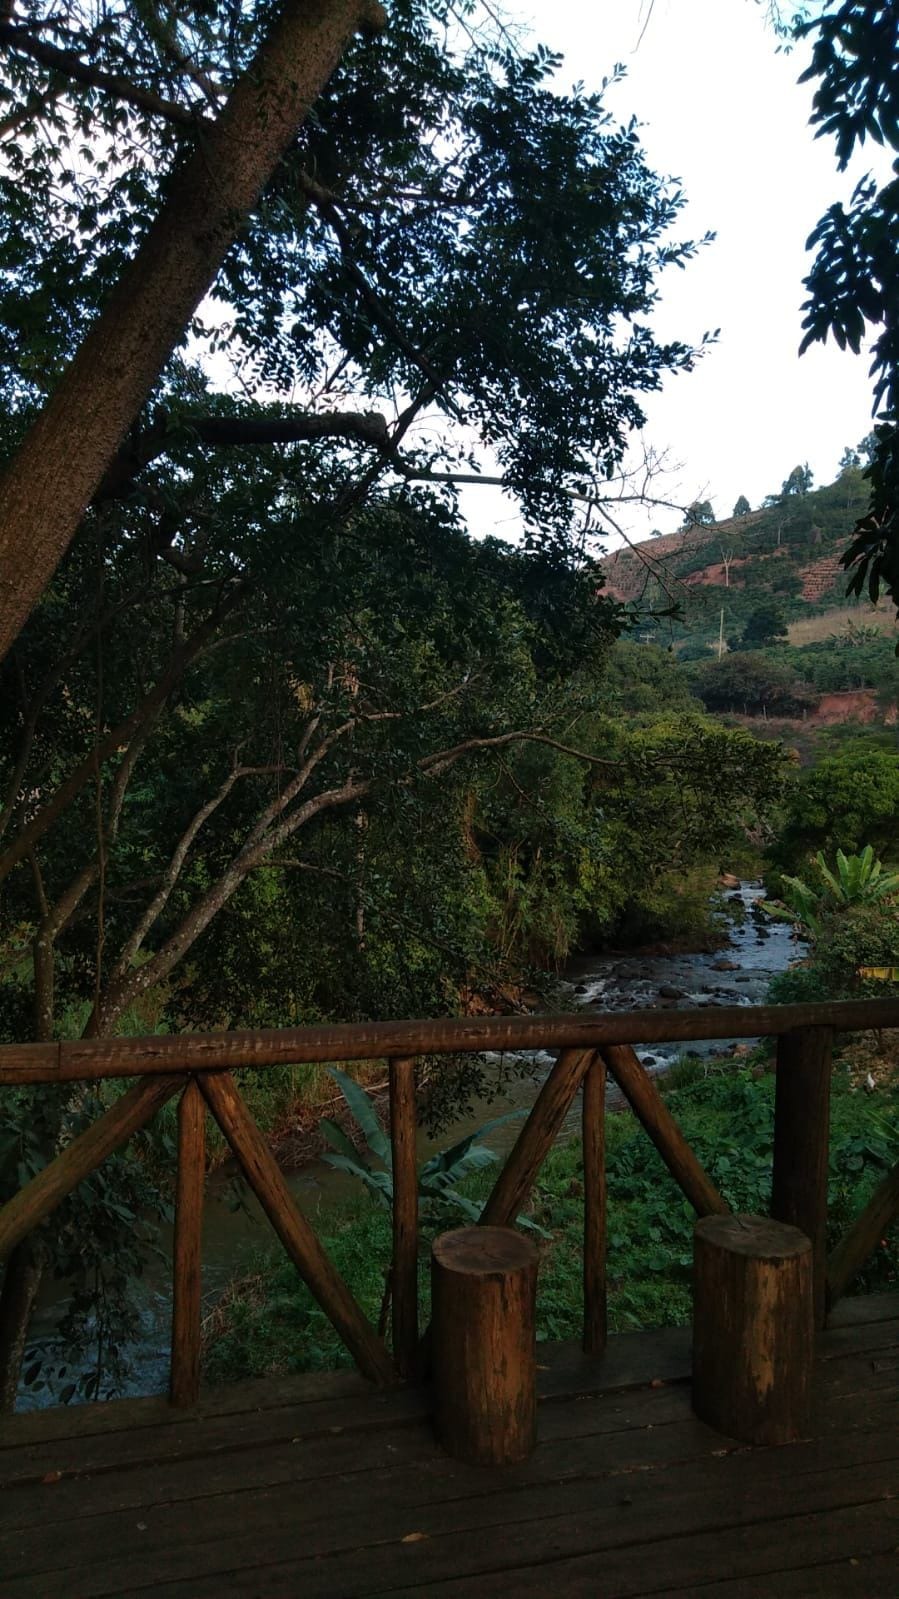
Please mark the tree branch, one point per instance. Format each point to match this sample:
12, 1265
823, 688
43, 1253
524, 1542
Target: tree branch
366, 427
20, 42
160, 899
265, 838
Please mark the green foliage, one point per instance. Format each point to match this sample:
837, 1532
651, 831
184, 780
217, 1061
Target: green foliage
856, 658
641, 678
742, 507
699, 514
798, 482
764, 625
751, 683
269, 1324
853, 284
99, 1238
859, 880
601, 847
438, 1177
846, 801
443, 186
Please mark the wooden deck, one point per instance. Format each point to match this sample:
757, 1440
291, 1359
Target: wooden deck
317, 1486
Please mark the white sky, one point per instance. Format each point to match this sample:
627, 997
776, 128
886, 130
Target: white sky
722, 111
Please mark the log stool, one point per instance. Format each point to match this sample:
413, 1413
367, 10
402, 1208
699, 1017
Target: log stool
753, 1328
484, 1290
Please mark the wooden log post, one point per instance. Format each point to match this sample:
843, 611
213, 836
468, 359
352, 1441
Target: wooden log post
484, 1290
753, 1328
184, 1385
594, 1147
649, 1107
266, 1179
404, 1269
802, 1144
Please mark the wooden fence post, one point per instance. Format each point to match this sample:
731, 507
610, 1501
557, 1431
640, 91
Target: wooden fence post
404, 1270
802, 1144
184, 1386
594, 1147
753, 1331
484, 1289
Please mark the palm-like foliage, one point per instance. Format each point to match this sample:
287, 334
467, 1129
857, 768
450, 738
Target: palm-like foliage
858, 880
438, 1177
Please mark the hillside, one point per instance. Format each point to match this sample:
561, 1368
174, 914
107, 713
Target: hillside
786, 554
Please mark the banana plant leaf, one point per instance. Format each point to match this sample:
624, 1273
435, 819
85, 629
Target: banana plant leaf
364, 1113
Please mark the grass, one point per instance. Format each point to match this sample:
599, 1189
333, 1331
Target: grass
267, 1323
812, 629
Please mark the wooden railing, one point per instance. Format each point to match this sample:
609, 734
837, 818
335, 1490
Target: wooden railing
590, 1046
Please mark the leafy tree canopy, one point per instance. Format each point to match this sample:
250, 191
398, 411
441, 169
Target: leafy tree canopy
798, 482
447, 235
742, 507
845, 802
751, 683
699, 514
853, 285
764, 625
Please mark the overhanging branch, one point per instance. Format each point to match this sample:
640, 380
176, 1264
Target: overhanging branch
365, 427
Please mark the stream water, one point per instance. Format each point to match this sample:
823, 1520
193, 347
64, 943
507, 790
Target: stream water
737, 975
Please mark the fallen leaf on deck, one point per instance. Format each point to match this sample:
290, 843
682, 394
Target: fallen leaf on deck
414, 1537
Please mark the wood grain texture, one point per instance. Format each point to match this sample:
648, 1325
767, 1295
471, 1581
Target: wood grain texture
753, 1328
404, 1268
642, 1094
86, 1059
319, 1274
537, 1136
484, 1297
594, 1147
33, 1203
627, 1494
802, 1144
187, 1252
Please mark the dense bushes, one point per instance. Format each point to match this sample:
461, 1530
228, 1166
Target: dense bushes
845, 802
752, 683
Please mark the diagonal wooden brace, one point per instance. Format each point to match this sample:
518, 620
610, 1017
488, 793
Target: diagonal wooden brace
650, 1109
537, 1136
35, 1202
266, 1179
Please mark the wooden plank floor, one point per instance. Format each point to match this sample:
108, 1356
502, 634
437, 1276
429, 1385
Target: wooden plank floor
317, 1488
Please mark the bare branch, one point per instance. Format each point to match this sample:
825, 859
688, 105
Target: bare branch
172, 872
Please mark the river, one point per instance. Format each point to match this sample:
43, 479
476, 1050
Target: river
739, 974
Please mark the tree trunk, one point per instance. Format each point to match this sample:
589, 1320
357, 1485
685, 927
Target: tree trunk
61, 463
21, 1282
